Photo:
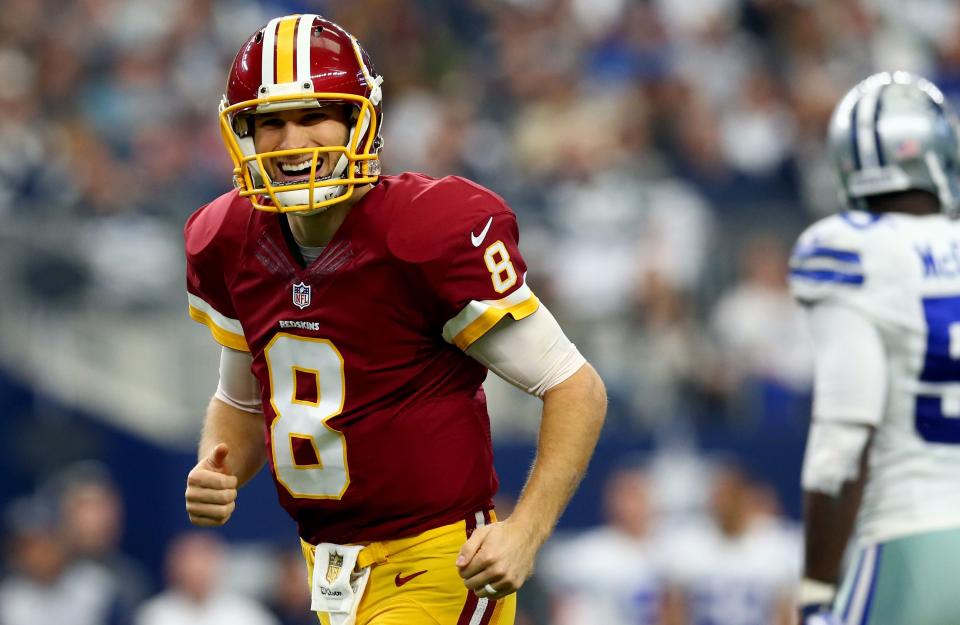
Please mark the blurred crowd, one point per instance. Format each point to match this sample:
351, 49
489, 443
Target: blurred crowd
683, 541
64, 564
660, 155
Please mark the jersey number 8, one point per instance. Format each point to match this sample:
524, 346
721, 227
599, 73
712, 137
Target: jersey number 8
501, 269
307, 390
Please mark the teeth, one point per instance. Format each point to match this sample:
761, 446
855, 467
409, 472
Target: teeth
295, 168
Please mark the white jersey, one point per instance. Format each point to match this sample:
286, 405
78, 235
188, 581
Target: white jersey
901, 273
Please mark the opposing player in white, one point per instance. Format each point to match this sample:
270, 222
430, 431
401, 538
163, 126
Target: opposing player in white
880, 283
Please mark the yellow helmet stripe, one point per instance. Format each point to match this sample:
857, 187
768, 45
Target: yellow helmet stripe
286, 40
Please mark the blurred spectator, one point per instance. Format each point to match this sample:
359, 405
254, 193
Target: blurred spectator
43, 586
613, 574
627, 252
948, 66
289, 600
757, 134
738, 567
91, 524
195, 592
666, 387
761, 334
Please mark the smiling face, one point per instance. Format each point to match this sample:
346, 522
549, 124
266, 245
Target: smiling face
300, 129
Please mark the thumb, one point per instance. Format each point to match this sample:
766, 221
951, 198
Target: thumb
472, 546
217, 459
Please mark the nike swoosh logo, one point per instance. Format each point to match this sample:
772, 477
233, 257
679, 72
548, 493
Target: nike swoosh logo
478, 239
400, 581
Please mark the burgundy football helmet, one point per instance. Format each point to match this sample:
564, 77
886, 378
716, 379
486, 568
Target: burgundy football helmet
294, 62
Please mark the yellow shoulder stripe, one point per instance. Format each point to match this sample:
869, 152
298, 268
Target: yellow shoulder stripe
479, 326
224, 337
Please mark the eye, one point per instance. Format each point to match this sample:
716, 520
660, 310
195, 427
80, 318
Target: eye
314, 117
269, 122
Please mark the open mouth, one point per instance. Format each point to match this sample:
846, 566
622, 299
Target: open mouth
289, 172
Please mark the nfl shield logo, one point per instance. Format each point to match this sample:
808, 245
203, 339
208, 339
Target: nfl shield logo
334, 565
301, 295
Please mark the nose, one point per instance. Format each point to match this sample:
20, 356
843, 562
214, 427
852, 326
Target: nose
293, 136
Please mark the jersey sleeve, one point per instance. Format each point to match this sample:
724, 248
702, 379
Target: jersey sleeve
465, 241
827, 263
208, 299
844, 269
850, 366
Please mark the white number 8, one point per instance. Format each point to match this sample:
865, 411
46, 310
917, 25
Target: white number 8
302, 414
498, 267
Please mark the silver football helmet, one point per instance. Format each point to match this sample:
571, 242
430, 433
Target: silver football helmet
893, 132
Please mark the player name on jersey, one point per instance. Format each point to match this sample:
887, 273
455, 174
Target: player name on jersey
940, 259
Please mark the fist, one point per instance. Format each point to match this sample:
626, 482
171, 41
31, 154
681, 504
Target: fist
497, 559
211, 490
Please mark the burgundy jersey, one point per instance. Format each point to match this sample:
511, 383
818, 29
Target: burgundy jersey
376, 421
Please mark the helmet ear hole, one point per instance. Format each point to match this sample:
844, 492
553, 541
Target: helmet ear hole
242, 125
258, 37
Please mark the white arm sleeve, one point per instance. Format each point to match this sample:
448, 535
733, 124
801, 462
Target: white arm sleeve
832, 456
849, 394
850, 375
238, 387
533, 353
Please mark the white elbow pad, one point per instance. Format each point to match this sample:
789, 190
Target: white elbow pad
833, 455
533, 353
238, 387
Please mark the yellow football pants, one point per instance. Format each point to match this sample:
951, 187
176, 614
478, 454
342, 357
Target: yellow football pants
414, 581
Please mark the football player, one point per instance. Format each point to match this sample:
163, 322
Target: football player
880, 283
358, 315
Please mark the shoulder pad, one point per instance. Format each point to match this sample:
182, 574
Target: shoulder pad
441, 212
212, 237
212, 221
829, 257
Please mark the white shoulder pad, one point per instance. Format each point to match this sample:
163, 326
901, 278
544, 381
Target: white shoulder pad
830, 259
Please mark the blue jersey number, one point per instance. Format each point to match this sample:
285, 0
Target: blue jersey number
941, 364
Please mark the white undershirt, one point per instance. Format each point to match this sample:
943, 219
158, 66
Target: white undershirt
309, 253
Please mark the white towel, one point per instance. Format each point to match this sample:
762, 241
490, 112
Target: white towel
338, 584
